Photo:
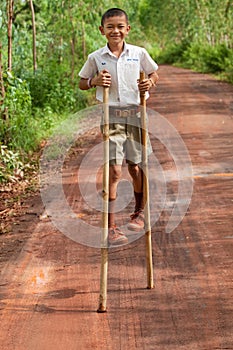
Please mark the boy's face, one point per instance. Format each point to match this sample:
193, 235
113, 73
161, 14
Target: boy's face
115, 29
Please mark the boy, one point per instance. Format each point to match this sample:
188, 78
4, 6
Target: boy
118, 66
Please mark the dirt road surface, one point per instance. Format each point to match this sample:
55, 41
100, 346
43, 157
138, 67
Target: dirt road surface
49, 287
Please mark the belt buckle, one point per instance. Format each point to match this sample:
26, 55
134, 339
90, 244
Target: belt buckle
125, 113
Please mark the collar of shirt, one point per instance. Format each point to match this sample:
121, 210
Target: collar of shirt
106, 50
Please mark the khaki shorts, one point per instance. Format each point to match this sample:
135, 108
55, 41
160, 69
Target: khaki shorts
125, 140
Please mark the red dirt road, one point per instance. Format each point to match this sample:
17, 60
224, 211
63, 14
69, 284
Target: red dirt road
49, 289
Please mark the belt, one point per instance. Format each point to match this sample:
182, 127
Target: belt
123, 112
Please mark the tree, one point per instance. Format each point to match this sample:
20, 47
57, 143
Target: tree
203, 21
1, 78
10, 6
33, 35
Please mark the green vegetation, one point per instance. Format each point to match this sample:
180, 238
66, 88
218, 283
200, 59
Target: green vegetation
196, 34
43, 45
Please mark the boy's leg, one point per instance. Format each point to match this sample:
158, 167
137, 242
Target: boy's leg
114, 178
137, 176
115, 236
117, 138
137, 218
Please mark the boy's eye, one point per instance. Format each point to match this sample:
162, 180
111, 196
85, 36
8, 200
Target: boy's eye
121, 26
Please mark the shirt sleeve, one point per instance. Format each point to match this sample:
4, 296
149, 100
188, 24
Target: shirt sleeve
89, 68
148, 65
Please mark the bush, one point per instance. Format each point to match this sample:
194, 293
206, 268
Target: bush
15, 128
53, 89
34, 105
203, 58
207, 58
172, 53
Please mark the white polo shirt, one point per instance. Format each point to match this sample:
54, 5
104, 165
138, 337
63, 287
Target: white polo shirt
125, 71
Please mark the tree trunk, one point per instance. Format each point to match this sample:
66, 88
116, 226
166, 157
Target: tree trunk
33, 36
60, 52
3, 114
72, 42
72, 56
84, 41
10, 6
203, 15
1, 77
228, 36
227, 8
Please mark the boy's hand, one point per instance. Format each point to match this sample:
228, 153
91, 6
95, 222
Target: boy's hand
145, 85
102, 79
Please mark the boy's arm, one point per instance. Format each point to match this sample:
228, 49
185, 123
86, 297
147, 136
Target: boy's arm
101, 79
153, 77
85, 84
146, 84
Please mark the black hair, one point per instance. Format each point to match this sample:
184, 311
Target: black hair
112, 13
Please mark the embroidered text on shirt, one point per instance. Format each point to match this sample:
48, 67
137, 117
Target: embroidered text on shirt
133, 59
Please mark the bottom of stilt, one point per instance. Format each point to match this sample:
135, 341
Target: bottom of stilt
150, 287
102, 309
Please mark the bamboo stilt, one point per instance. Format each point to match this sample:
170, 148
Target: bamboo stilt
104, 238
146, 198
